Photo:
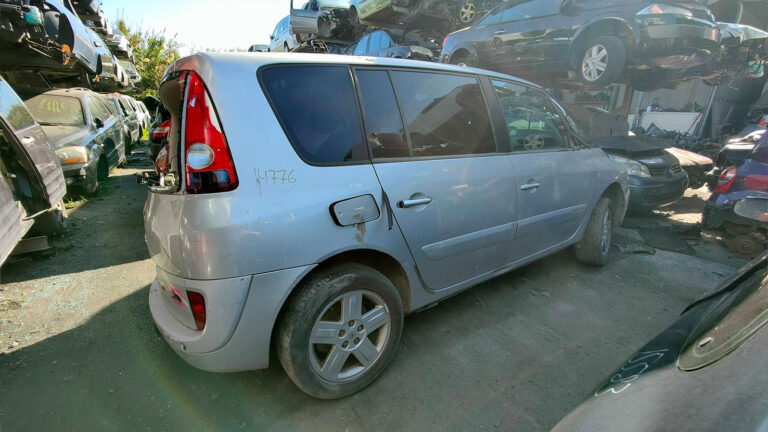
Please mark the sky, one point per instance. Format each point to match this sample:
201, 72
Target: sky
203, 24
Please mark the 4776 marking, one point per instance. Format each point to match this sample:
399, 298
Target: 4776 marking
274, 176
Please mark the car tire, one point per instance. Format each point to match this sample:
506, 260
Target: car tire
50, 223
594, 247
351, 336
605, 52
464, 60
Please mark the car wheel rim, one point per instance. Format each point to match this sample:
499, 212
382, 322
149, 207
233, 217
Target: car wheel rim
467, 13
605, 235
349, 336
594, 63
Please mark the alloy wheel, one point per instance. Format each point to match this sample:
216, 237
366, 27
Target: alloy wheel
467, 12
594, 63
349, 335
605, 234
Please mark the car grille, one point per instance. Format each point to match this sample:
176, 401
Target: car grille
665, 198
662, 171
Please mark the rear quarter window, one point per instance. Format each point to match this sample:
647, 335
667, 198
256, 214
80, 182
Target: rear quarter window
319, 112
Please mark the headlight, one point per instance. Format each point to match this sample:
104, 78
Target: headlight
655, 9
72, 155
633, 167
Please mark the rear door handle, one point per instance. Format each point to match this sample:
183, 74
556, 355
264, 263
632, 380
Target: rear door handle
530, 186
414, 202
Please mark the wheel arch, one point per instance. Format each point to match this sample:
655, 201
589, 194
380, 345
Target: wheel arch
618, 202
605, 26
460, 51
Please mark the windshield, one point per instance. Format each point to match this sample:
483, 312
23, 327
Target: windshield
56, 110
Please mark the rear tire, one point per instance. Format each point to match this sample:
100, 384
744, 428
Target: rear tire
594, 246
602, 61
330, 318
464, 60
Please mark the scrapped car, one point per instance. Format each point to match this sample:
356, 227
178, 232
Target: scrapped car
442, 16
146, 117
31, 181
703, 372
656, 177
106, 67
318, 17
738, 206
83, 131
282, 38
394, 44
134, 78
258, 48
734, 153
427, 190
132, 119
123, 118
695, 165
47, 36
158, 131
119, 45
588, 42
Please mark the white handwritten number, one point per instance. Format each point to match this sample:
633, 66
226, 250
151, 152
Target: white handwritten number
618, 383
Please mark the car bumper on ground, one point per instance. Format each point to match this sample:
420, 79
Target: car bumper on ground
240, 315
648, 193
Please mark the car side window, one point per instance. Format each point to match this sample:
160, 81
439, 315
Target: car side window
528, 9
13, 109
318, 109
383, 124
362, 46
532, 122
445, 114
95, 110
493, 17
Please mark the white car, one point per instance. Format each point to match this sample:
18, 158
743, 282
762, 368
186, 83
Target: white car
282, 38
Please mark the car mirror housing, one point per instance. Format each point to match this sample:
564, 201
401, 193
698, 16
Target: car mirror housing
98, 122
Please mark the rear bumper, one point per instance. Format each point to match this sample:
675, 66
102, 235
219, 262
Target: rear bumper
241, 313
650, 193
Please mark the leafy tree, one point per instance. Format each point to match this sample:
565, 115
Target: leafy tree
153, 51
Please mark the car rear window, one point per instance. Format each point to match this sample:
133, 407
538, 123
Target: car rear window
56, 110
318, 109
445, 114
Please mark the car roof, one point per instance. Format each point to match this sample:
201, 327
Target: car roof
208, 63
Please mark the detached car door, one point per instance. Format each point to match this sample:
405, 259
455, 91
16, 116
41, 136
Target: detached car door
554, 176
452, 192
304, 20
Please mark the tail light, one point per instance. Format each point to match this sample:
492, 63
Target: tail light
726, 180
161, 162
197, 304
209, 166
162, 129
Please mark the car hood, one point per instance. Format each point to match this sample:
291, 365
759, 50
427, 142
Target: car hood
62, 136
634, 146
688, 158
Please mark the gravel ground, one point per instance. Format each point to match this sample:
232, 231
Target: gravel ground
78, 350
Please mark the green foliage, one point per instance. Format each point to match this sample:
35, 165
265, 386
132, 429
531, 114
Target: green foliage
153, 51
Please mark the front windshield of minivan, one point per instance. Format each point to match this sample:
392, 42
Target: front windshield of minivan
56, 110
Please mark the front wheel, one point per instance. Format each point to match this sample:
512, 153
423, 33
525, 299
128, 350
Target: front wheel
340, 331
464, 60
602, 61
594, 246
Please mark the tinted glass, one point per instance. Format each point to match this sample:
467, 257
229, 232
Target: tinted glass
13, 109
95, 110
383, 125
527, 10
56, 110
361, 47
375, 42
104, 108
493, 17
445, 114
532, 122
318, 108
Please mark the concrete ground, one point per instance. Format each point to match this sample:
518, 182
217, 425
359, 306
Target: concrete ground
78, 350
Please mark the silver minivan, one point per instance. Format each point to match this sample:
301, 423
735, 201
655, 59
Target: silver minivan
310, 202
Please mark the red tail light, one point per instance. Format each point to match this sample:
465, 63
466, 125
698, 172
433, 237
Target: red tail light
757, 182
209, 166
197, 303
162, 129
726, 180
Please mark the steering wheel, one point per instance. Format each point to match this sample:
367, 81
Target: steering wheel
533, 142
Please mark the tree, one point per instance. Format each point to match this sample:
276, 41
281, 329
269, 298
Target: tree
153, 51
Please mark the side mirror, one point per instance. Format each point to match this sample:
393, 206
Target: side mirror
271, 37
99, 124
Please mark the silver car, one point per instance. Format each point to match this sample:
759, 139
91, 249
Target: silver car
309, 211
282, 38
